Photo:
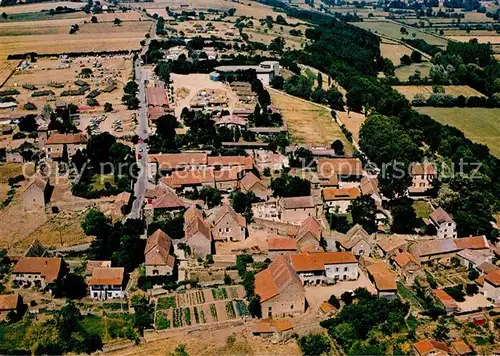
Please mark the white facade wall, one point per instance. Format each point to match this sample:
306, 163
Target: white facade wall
106, 292
447, 230
491, 292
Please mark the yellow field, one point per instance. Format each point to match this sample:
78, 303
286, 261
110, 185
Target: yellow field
19, 9
409, 91
394, 52
480, 39
308, 123
404, 72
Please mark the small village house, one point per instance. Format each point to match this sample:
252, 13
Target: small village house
309, 234
157, 257
278, 330
38, 271
325, 267
347, 169
197, 233
251, 183
280, 290
446, 300
388, 246
491, 286
37, 194
58, 143
107, 283
339, 199
297, 209
278, 245
472, 258
383, 278
10, 303
422, 176
429, 347
227, 225
356, 240
444, 224
407, 267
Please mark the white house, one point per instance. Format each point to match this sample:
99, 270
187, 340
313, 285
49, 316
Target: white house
445, 226
107, 283
325, 267
491, 287
339, 199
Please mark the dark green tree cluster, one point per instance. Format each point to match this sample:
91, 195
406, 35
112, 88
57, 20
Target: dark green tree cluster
288, 186
130, 99
242, 204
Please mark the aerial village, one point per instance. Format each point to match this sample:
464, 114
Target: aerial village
157, 199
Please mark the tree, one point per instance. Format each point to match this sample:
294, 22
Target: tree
180, 350
333, 300
144, 313
441, 331
95, 223
338, 147
108, 107
93, 19
288, 186
389, 68
405, 60
242, 204
364, 212
86, 72
211, 196
404, 218
347, 297
314, 344
334, 98
473, 274
254, 307
4, 16
277, 82
117, 21
416, 57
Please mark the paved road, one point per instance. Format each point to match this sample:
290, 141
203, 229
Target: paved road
143, 133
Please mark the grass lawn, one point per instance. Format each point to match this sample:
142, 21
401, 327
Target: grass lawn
480, 125
12, 336
99, 181
309, 123
422, 209
108, 327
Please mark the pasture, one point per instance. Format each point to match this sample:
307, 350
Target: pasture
394, 51
409, 91
480, 125
307, 122
404, 72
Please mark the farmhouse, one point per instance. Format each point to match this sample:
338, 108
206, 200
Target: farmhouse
422, 176
491, 287
325, 267
446, 300
281, 246
57, 144
407, 267
384, 280
157, 257
107, 283
296, 209
357, 241
251, 183
37, 194
280, 289
309, 234
339, 199
445, 226
10, 303
446, 248
226, 225
430, 347
197, 235
38, 271
388, 246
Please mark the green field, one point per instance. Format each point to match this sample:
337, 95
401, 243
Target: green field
478, 124
393, 30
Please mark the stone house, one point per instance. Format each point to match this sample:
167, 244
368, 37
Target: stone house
325, 267
107, 283
57, 143
157, 257
251, 183
37, 194
226, 225
388, 246
163, 201
38, 271
422, 176
278, 245
444, 224
429, 347
347, 169
356, 240
280, 290
297, 209
430, 250
448, 303
339, 199
472, 259
491, 286
91, 265
407, 267
309, 234
10, 303
197, 234
227, 179
383, 279
277, 330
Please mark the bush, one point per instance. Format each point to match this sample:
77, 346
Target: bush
314, 344
29, 106
333, 300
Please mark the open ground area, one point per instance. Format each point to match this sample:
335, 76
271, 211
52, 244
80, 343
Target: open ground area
404, 72
409, 91
478, 124
308, 123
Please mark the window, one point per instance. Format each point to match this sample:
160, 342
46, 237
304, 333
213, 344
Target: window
336, 269
291, 306
346, 269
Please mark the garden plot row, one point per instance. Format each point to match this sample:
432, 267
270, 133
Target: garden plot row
198, 297
219, 311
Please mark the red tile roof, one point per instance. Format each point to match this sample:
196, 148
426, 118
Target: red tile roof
178, 179
96, 264
177, 160
226, 209
298, 202
311, 225
156, 96
107, 276
333, 194
275, 278
281, 244
48, 268
249, 181
157, 251
9, 301
440, 216
197, 225
445, 298
304, 262
224, 161
57, 139
384, 279
391, 243
493, 278
168, 200
423, 347
404, 258
473, 243
423, 168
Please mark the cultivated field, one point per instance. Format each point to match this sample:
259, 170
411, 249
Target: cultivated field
409, 91
478, 124
392, 29
480, 39
308, 123
18, 9
394, 51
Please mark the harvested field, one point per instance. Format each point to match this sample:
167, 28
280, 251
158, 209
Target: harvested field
352, 121
17, 9
392, 29
53, 36
404, 72
6, 68
480, 39
478, 124
394, 51
308, 123
409, 91
10, 170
